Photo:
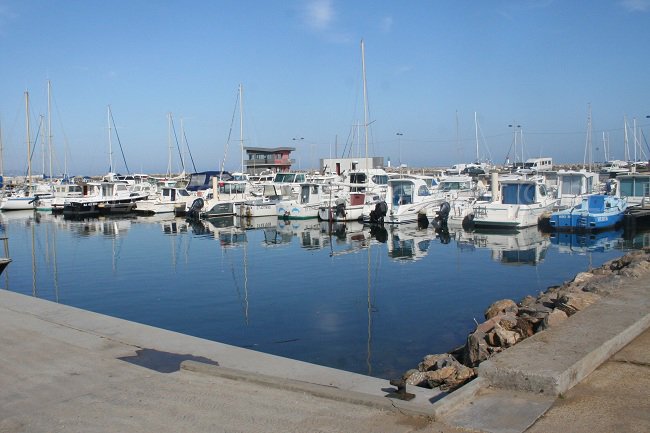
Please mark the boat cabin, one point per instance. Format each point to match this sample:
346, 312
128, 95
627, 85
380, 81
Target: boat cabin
522, 192
635, 188
407, 191
572, 185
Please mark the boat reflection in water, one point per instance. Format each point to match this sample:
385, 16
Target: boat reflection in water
582, 243
306, 230
409, 241
512, 247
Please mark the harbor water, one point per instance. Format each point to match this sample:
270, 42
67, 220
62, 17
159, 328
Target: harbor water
370, 301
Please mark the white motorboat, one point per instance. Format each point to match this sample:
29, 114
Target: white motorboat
520, 203
303, 205
407, 201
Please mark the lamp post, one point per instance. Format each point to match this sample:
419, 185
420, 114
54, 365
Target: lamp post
399, 147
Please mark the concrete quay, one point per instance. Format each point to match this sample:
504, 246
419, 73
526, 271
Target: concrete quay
70, 370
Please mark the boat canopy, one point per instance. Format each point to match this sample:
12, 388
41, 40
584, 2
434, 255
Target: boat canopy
518, 193
203, 180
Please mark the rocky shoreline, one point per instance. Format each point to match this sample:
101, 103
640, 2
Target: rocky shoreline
507, 322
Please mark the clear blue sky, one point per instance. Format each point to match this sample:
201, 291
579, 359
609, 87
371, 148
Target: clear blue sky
430, 65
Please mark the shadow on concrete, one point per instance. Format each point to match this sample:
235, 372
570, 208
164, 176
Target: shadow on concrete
163, 362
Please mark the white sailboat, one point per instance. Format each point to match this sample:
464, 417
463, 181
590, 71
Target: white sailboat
27, 196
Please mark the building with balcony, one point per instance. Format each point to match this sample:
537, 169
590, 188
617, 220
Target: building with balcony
275, 159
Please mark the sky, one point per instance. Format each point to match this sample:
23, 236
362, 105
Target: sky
447, 81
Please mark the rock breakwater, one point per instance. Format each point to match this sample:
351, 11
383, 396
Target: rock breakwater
508, 322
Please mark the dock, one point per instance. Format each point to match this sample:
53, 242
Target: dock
636, 217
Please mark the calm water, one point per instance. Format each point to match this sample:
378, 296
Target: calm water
372, 303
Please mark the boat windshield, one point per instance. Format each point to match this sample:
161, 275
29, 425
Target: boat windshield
289, 178
452, 186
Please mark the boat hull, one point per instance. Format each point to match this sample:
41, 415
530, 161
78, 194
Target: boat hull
596, 212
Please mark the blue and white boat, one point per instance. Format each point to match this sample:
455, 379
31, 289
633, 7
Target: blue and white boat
594, 212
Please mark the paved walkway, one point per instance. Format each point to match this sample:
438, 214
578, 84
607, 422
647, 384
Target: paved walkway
614, 398
69, 370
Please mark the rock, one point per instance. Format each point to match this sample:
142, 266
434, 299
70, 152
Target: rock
436, 362
489, 324
505, 338
556, 317
571, 303
583, 277
415, 377
460, 377
475, 350
533, 314
438, 377
524, 327
528, 301
635, 270
508, 321
604, 285
501, 307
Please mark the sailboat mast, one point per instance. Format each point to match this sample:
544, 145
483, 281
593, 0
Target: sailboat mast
588, 154
183, 145
476, 135
365, 99
241, 125
635, 140
110, 144
29, 141
169, 145
627, 148
2, 169
41, 122
49, 124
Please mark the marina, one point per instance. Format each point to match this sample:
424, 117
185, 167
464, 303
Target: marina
370, 300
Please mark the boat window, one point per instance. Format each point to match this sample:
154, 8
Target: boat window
571, 185
423, 190
641, 186
542, 190
380, 179
402, 193
358, 178
516, 193
626, 186
304, 194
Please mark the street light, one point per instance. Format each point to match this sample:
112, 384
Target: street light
399, 147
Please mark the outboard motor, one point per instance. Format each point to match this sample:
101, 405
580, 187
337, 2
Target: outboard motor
340, 208
195, 209
377, 215
440, 223
442, 215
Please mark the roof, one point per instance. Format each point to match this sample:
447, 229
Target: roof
269, 149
